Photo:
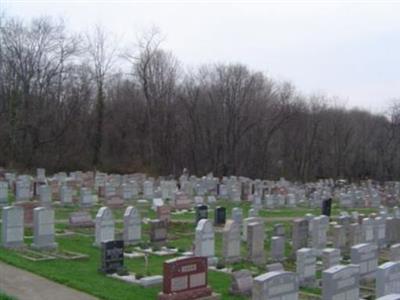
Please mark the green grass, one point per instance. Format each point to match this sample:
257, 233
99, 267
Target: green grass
4, 296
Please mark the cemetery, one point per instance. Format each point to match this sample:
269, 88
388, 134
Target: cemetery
166, 240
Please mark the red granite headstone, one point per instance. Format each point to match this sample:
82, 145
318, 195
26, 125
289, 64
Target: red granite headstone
164, 213
185, 279
28, 212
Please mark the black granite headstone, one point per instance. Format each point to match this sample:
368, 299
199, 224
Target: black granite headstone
112, 256
201, 212
220, 215
326, 207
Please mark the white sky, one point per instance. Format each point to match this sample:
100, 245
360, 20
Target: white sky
349, 49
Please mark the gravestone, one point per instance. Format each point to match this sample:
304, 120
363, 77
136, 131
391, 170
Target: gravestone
12, 229
380, 232
65, 195
365, 255
367, 228
80, 219
253, 213
299, 234
237, 215
23, 191
306, 262
390, 297
245, 224
45, 195
275, 267
278, 230
156, 203
164, 214
112, 256
319, 228
86, 198
114, 202
211, 199
201, 212
3, 193
330, 257
158, 232
219, 216
148, 191
277, 285
28, 208
105, 227
132, 226
199, 200
242, 283
255, 243
182, 201
185, 278
355, 236
205, 240
388, 279
339, 237
326, 207
43, 228
395, 252
231, 242
341, 282
277, 248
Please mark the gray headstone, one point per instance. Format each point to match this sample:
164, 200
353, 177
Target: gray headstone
205, 239
255, 242
105, 227
365, 255
306, 263
132, 225
43, 228
277, 248
12, 229
388, 279
341, 282
231, 241
330, 257
277, 285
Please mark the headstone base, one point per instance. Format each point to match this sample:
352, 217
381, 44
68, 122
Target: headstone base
198, 294
19, 244
45, 247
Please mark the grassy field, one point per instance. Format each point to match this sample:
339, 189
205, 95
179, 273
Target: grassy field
3, 296
83, 274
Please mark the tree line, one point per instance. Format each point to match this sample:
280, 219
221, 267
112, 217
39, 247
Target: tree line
78, 101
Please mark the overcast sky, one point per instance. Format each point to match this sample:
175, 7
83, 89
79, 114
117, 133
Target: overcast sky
348, 49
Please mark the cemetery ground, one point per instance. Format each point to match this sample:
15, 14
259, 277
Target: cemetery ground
83, 274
